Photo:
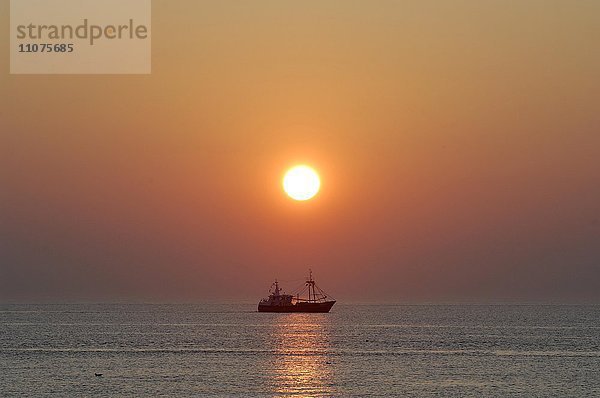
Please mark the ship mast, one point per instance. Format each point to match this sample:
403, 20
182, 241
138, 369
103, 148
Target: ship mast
311, 286
277, 290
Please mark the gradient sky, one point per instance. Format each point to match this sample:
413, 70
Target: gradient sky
458, 144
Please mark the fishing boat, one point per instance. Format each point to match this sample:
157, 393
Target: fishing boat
316, 300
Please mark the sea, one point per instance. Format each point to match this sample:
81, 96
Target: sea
230, 350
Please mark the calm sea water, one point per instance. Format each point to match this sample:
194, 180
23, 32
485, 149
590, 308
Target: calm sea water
231, 350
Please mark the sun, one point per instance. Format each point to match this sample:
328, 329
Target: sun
301, 183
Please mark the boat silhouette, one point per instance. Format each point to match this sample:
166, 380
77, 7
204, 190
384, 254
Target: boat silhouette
316, 300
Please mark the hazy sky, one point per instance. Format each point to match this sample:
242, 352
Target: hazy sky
458, 144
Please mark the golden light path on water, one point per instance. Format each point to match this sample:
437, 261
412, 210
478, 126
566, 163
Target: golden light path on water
302, 365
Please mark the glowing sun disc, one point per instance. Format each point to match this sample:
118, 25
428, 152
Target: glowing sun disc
301, 183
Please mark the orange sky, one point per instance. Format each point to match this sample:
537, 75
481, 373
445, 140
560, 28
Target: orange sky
458, 145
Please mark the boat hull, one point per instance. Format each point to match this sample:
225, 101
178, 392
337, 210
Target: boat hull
299, 307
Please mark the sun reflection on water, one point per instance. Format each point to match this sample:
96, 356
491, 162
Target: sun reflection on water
302, 363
